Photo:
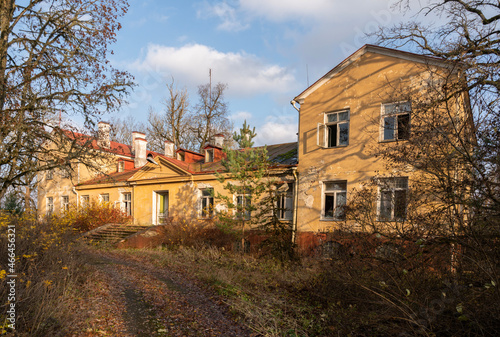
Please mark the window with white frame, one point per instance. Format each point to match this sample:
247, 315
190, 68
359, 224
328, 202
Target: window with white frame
120, 166
127, 203
209, 155
50, 205
207, 203
334, 200
65, 203
393, 195
243, 206
284, 203
395, 121
49, 175
334, 132
84, 200
104, 197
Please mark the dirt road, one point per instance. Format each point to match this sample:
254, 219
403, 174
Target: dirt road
135, 298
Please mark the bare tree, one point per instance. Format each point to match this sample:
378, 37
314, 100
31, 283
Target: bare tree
211, 114
122, 129
53, 60
173, 122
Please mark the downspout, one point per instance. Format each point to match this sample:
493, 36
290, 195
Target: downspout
295, 203
295, 185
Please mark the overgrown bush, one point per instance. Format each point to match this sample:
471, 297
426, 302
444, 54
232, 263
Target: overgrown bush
48, 268
93, 215
191, 232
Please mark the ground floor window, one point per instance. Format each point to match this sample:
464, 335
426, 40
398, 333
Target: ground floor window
334, 200
50, 205
207, 203
393, 194
127, 203
243, 206
84, 200
104, 197
65, 203
284, 204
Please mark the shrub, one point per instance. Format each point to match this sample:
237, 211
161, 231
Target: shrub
47, 266
91, 216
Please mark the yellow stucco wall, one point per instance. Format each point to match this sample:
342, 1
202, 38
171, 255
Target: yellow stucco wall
361, 87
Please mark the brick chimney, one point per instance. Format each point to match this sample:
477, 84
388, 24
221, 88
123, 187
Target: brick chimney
219, 140
140, 148
136, 134
103, 135
169, 149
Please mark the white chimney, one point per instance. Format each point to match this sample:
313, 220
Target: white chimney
139, 146
169, 149
136, 134
219, 140
103, 135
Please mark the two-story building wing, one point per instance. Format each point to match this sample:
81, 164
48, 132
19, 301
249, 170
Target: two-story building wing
345, 117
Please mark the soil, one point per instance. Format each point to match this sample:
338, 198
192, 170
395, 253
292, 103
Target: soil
131, 297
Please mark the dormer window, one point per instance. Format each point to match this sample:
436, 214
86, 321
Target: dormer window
121, 166
180, 156
209, 155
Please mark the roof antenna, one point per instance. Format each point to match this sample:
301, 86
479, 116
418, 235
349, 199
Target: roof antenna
307, 74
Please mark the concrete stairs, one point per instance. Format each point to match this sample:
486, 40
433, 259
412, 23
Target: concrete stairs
112, 233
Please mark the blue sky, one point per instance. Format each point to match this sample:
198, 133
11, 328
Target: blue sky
266, 51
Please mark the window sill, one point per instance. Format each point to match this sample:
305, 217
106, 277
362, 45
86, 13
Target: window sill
331, 219
335, 147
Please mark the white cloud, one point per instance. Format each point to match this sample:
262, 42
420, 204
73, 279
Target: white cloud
288, 10
274, 132
240, 116
245, 74
226, 13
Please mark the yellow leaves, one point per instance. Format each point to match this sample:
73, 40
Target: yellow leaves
65, 268
3, 273
47, 283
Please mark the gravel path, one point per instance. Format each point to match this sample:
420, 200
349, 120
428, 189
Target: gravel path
137, 299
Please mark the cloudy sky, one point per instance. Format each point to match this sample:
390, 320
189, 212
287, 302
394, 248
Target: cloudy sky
266, 51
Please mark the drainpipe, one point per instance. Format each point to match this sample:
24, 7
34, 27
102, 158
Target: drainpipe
295, 203
293, 102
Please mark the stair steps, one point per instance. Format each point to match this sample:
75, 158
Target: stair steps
112, 233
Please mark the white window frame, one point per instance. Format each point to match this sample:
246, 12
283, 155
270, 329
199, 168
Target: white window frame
284, 203
49, 175
208, 200
127, 203
402, 108
50, 205
245, 198
393, 185
84, 200
209, 155
120, 166
65, 203
103, 197
336, 194
323, 129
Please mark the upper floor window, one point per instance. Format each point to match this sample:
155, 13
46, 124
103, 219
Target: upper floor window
334, 200
49, 175
209, 156
121, 166
393, 193
334, 131
207, 202
104, 197
395, 121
